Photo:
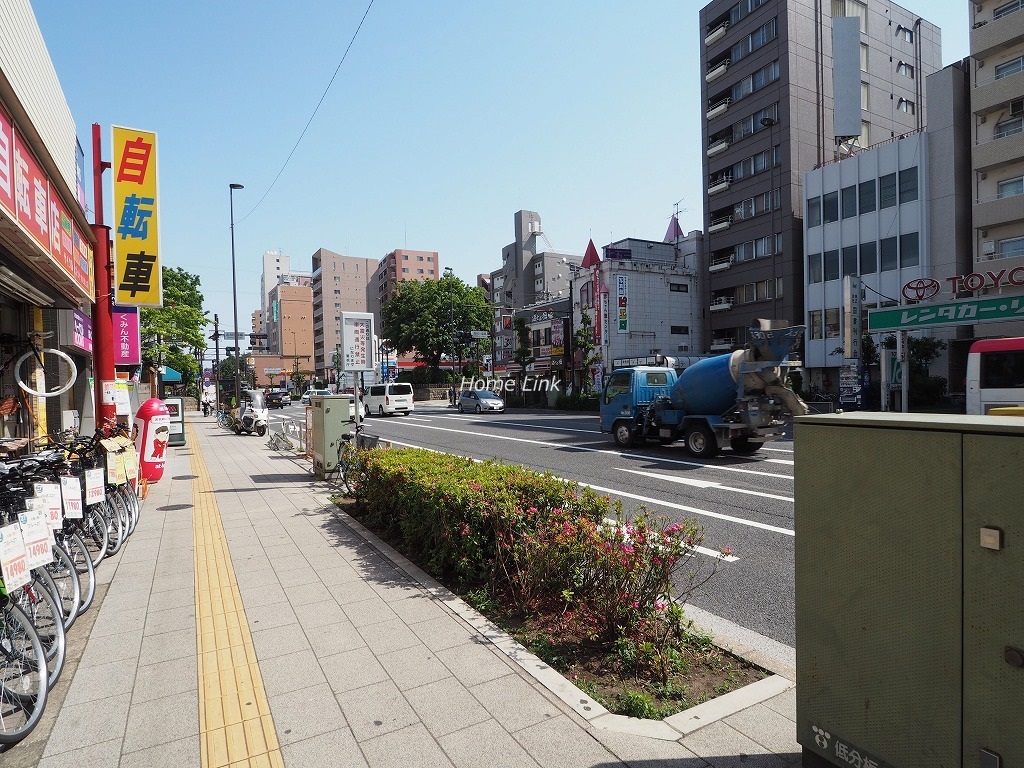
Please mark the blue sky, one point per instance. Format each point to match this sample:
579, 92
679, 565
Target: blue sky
445, 119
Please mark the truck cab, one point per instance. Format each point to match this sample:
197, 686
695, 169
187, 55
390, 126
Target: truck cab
628, 394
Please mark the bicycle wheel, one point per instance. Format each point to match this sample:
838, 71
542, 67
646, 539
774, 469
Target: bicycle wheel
44, 612
66, 372
82, 559
134, 502
115, 528
23, 683
95, 533
126, 498
69, 587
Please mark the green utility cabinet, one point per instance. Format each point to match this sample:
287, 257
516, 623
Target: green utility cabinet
909, 581
330, 422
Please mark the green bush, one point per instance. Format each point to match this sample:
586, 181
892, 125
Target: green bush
577, 402
531, 537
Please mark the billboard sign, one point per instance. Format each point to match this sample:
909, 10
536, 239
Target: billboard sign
138, 280
127, 340
357, 341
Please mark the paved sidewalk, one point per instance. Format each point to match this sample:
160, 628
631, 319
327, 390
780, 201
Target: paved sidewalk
321, 646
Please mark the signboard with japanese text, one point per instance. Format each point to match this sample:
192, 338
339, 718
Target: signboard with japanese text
357, 341
622, 302
13, 558
35, 207
962, 312
127, 340
138, 281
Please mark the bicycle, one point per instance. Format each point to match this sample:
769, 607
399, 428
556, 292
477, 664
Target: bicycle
349, 466
33, 354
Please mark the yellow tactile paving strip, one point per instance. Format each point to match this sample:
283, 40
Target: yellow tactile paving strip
235, 725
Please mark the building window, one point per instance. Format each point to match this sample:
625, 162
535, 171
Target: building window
680, 330
887, 191
778, 287
868, 258
405, 270
888, 252
907, 70
849, 260
1011, 187
1006, 10
816, 330
814, 268
908, 185
909, 252
764, 290
864, 90
830, 207
1011, 247
905, 34
746, 294
849, 200
755, 82
831, 323
679, 287
863, 57
1008, 127
905, 105
867, 196
1011, 67
753, 41
854, 9
814, 212
831, 265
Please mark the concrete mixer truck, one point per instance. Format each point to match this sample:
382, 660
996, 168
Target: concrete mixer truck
738, 400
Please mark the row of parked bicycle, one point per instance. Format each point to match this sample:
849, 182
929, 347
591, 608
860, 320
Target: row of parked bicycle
62, 511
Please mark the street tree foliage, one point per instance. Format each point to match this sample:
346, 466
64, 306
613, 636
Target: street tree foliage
434, 318
583, 340
173, 334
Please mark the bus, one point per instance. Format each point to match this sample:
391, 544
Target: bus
995, 374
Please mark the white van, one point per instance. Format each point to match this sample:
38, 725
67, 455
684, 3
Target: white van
388, 398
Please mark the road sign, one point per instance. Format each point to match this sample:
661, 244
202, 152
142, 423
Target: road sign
478, 334
962, 312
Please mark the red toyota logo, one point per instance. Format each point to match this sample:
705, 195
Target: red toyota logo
921, 289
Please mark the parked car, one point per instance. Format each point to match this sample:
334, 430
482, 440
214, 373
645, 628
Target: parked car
388, 398
277, 398
480, 401
310, 393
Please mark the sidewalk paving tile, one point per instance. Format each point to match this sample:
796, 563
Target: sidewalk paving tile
330, 639
387, 636
155, 722
768, 728
446, 706
413, 667
174, 754
166, 678
410, 747
376, 709
514, 702
166, 646
291, 672
352, 669
502, 751
101, 681
80, 725
307, 712
279, 641
105, 754
338, 747
559, 741
724, 747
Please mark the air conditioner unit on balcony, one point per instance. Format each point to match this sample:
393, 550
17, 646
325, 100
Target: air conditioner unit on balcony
1017, 107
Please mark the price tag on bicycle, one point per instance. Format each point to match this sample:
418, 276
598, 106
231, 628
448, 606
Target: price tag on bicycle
39, 505
131, 462
120, 473
13, 558
111, 468
71, 495
36, 535
95, 489
50, 494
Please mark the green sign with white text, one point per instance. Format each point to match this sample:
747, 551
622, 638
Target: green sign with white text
961, 312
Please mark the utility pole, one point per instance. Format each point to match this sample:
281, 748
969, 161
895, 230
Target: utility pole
216, 358
103, 311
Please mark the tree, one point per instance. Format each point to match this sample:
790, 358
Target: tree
583, 340
434, 318
173, 334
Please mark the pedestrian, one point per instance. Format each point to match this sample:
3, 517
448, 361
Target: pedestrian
451, 395
206, 403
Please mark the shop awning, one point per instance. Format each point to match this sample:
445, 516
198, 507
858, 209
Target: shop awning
170, 376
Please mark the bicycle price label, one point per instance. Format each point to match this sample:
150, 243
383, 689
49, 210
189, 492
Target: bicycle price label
131, 462
111, 468
71, 494
36, 535
95, 490
50, 494
121, 475
13, 558
39, 506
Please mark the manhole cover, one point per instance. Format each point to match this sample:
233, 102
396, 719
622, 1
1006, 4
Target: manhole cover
174, 508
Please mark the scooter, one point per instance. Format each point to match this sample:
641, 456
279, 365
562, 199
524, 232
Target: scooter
253, 414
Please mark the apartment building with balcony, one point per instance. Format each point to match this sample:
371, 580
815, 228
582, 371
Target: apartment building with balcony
339, 285
997, 156
769, 105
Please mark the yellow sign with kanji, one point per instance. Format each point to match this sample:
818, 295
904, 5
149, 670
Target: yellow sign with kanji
138, 279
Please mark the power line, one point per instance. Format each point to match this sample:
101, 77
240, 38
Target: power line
310, 121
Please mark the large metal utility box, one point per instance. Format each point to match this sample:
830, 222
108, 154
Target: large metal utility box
909, 581
330, 422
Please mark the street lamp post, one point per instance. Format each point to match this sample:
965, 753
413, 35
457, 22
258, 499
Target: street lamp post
234, 291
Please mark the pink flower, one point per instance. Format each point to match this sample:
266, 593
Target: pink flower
636, 604
674, 528
660, 605
727, 551
627, 548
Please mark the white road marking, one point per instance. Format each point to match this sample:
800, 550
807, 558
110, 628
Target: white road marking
584, 449
705, 484
647, 499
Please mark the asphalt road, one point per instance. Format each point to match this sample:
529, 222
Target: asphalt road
744, 502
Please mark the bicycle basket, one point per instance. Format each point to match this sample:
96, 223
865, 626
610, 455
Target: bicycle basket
367, 441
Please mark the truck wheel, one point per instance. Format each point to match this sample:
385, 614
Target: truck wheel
623, 432
745, 445
700, 441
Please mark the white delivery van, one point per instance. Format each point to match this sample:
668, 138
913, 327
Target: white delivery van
388, 398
